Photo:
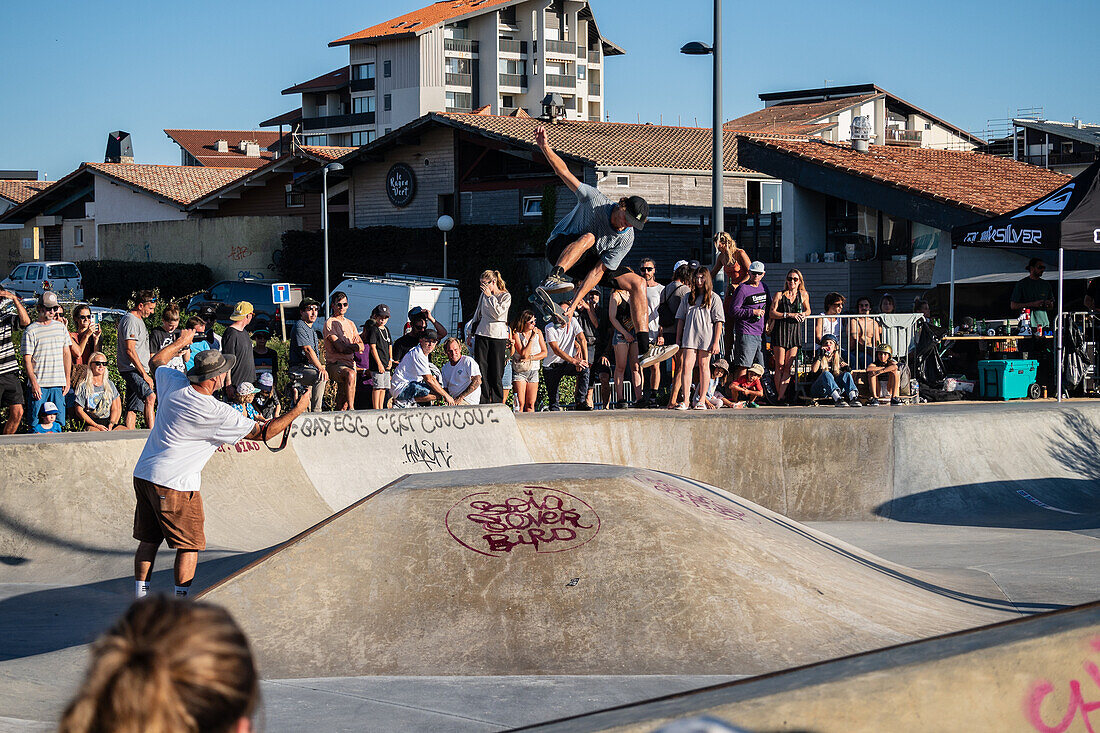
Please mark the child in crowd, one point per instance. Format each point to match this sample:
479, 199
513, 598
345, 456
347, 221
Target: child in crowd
747, 389
831, 375
699, 334
47, 420
246, 393
718, 395
884, 367
265, 401
266, 360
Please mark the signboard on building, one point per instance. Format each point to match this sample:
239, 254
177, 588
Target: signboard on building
400, 184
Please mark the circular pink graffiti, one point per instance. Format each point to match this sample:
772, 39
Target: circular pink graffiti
729, 511
538, 517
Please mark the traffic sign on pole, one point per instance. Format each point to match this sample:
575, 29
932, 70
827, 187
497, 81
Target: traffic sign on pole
280, 293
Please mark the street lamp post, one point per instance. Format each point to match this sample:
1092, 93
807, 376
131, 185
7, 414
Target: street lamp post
445, 224
698, 48
333, 167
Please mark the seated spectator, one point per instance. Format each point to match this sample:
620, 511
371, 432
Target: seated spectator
718, 394
47, 419
831, 376
886, 304
167, 333
568, 357
413, 382
98, 402
167, 665
920, 305
528, 350
265, 359
266, 402
461, 374
746, 389
419, 318
242, 402
884, 367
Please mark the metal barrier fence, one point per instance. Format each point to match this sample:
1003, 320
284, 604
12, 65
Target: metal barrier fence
858, 336
1087, 324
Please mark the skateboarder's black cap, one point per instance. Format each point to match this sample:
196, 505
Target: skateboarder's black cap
637, 211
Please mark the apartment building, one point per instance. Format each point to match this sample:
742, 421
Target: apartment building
501, 56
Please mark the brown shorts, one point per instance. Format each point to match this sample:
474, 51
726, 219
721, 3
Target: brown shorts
166, 514
335, 371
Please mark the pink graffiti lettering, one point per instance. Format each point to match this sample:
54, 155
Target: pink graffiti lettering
241, 446
543, 519
238, 253
699, 501
1077, 704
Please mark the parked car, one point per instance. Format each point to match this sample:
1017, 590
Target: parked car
29, 279
225, 295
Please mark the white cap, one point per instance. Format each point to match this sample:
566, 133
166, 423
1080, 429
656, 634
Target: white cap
245, 388
756, 266
49, 408
679, 264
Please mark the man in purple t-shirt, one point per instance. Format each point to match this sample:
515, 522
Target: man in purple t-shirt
748, 310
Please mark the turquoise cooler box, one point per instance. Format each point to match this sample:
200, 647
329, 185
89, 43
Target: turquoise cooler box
1006, 379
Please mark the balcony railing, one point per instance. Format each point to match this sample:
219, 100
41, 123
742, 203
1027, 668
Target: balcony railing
459, 44
569, 48
593, 89
513, 80
330, 121
593, 57
362, 85
561, 80
1061, 158
897, 136
509, 46
460, 80
594, 118
460, 110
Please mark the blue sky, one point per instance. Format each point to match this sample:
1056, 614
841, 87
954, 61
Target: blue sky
76, 70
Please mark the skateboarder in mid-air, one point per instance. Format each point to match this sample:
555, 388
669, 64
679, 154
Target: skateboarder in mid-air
589, 245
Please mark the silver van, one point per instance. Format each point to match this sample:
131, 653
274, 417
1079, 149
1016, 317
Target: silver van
29, 279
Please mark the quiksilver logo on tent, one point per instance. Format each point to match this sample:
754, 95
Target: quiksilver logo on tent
1052, 205
1005, 235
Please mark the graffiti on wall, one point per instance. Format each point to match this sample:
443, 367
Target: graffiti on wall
684, 493
1081, 698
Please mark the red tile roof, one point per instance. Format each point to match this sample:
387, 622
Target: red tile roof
200, 145
332, 80
420, 20
179, 184
326, 152
19, 190
983, 183
796, 118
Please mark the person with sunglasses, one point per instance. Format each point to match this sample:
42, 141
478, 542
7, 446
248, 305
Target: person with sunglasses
342, 343
87, 336
98, 402
133, 359
237, 341
11, 389
653, 290
1034, 293
789, 310
47, 359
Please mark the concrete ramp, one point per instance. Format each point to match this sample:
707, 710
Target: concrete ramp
1033, 674
574, 569
347, 455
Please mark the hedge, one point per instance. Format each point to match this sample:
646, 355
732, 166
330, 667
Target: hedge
112, 282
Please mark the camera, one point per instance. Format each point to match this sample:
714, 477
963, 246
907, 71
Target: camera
302, 379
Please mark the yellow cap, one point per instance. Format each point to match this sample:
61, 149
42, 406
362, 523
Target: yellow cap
243, 309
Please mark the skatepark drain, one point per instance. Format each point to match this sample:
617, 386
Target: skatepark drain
572, 582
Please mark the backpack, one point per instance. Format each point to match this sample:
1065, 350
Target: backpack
666, 309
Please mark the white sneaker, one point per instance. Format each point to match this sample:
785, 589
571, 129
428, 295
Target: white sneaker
556, 284
657, 354
682, 406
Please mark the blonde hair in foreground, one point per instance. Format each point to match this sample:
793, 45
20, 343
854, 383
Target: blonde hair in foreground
167, 666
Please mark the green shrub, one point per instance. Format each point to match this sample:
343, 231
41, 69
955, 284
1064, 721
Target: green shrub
112, 282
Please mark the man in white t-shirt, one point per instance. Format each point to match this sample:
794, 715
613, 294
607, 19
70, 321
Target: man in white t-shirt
191, 424
461, 374
651, 376
567, 356
413, 382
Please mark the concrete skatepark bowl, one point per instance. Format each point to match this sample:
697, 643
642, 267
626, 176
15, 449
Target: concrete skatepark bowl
462, 569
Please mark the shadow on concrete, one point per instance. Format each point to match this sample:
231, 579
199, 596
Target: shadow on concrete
1052, 503
1076, 445
50, 619
19, 529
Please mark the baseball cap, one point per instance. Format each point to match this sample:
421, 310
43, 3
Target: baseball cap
262, 330
416, 313
636, 209
49, 408
721, 364
756, 266
828, 337
381, 310
694, 264
884, 349
242, 311
48, 299
308, 302
430, 335
757, 369
266, 381
679, 264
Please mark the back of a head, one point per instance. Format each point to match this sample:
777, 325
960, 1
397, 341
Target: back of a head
166, 666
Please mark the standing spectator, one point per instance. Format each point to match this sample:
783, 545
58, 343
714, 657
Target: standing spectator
413, 382
699, 334
749, 309
379, 352
98, 402
788, 312
47, 359
265, 359
920, 305
886, 304
734, 264
165, 666
133, 359
671, 297
864, 333
831, 376
47, 420
528, 349
200, 343
461, 374
884, 366
831, 323
595, 327
87, 336
342, 343
11, 390
167, 332
654, 290
419, 318
237, 342
491, 334
1034, 293
620, 313
568, 357
305, 351
266, 402
208, 314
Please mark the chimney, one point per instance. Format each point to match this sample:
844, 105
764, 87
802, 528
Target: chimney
119, 148
251, 148
553, 108
861, 133
1079, 124
221, 146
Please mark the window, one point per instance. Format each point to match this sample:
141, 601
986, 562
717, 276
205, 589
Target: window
458, 66
532, 205
294, 199
580, 72
513, 66
316, 140
386, 69
362, 104
388, 131
507, 101
362, 138
387, 103
78, 236
445, 204
362, 71
63, 272
764, 197
459, 100
19, 273
927, 125
622, 181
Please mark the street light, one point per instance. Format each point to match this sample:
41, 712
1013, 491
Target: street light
445, 224
333, 167
698, 48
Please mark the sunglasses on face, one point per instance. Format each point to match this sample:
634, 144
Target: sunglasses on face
84, 318
97, 363
647, 269
792, 279
340, 305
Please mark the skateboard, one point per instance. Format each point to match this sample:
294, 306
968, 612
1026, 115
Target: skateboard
550, 308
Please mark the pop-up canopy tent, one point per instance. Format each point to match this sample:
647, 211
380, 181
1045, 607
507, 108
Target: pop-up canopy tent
1069, 218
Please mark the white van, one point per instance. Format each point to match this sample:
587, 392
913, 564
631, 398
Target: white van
402, 293
29, 279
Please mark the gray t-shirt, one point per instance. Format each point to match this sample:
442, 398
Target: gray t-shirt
132, 328
592, 215
304, 335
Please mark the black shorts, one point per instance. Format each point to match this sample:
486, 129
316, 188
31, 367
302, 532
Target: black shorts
586, 264
11, 390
